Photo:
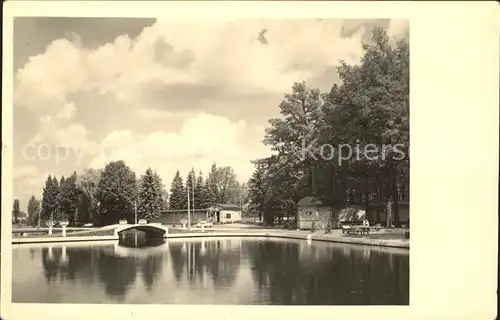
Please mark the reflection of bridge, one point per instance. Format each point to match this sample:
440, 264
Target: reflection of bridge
127, 252
151, 229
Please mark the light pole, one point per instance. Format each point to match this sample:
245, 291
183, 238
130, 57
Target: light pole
135, 211
189, 212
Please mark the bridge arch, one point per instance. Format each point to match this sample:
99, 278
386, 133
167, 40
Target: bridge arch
150, 230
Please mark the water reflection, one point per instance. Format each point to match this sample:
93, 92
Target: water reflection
323, 275
218, 271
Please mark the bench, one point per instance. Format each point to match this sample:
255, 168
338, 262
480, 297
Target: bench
355, 230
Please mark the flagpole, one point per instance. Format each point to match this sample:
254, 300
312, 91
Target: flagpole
193, 191
189, 214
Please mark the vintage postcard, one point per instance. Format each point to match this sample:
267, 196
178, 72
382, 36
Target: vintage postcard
257, 157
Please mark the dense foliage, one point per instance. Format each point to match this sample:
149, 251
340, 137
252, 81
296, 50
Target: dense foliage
347, 146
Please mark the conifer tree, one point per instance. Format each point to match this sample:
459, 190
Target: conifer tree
67, 198
55, 198
177, 193
34, 211
47, 200
150, 197
200, 200
190, 181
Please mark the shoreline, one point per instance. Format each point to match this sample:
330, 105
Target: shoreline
395, 243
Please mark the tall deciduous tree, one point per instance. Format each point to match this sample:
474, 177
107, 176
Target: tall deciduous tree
177, 193
16, 211
221, 180
68, 198
34, 211
117, 192
56, 214
150, 197
369, 108
49, 203
88, 202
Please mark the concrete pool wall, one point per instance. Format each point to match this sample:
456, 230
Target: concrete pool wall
396, 243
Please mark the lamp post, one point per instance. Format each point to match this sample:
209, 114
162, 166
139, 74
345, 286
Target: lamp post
189, 212
135, 211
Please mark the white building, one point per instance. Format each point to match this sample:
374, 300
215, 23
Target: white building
225, 213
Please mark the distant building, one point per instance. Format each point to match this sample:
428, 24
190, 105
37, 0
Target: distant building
177, 216
22, 218
225, 213
222, 213
313, 210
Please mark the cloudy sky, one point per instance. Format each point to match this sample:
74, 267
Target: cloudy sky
165, 94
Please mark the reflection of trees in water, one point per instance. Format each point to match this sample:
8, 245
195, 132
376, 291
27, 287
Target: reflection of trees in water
296, 273
222, 262
88, 264
151, 268
76, 263
82, 264
117, 273
152, 264
215, 258
177, 260
51, 263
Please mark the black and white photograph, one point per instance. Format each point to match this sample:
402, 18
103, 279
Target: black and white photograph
256, 161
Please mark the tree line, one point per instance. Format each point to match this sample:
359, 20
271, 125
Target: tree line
369, 110
219, 186
105, 196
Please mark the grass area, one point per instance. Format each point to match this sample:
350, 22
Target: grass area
88, 233
91, 233
194, 230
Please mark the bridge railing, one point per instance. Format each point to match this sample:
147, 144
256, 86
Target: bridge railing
150, 226
46, 230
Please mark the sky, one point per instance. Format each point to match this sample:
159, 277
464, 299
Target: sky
170, 95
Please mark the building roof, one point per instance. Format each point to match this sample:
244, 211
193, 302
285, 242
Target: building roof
309, 202
352, 213
228, 206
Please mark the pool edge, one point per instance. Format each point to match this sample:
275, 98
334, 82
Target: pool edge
308, 237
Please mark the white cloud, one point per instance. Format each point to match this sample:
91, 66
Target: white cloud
222, 52
73, 136
202, 140
67, 112
155, 114
222, 61
47, 79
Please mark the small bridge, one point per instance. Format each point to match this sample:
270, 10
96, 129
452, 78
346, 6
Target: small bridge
155, 230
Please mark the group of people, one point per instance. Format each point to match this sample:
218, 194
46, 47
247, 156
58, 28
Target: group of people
366, 223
